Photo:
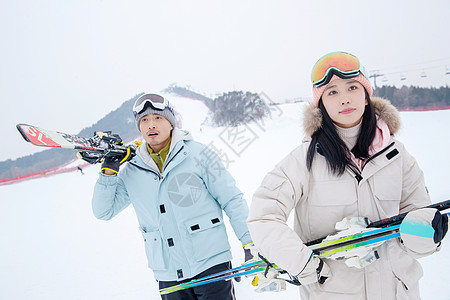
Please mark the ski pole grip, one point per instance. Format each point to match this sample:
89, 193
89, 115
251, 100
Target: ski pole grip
398, 218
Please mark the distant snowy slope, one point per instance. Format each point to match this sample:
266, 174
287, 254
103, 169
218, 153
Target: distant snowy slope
52, 247
197, 109
427, 137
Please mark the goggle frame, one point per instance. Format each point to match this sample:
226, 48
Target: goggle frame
146, 99
332, 69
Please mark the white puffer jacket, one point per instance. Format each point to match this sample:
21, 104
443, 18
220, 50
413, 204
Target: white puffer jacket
391, 183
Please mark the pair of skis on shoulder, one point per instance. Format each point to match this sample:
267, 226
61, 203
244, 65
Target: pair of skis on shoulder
373, 235
92, 149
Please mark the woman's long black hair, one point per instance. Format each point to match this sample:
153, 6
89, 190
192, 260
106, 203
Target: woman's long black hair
328, 143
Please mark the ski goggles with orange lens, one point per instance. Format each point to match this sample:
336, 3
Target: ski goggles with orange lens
155, 101
341, 64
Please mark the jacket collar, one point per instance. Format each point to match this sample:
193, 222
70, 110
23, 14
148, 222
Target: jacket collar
382, 158
312, 116
143, 158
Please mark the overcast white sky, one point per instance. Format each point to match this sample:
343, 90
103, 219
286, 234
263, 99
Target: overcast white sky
65, 64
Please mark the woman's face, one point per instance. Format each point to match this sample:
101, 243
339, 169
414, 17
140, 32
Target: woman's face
345, 101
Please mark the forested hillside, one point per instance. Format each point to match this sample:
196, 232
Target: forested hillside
415, 97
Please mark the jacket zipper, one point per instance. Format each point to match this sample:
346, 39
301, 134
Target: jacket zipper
379, 153
182, 249
356, 171
160, 161
171, 156
168, 159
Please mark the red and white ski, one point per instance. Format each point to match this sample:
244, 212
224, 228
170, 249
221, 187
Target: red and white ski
91, 149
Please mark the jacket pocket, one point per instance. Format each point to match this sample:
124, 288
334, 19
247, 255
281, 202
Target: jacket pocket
272, 182
333, 193
388, 192
329, 202
154, 250
270, 187
388, 187
406, 270
208, 235
344, 283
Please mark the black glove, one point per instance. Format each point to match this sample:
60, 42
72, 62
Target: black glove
113, 163
440, 226
99, 140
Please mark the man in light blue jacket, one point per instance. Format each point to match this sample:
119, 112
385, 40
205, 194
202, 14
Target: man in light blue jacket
178, 188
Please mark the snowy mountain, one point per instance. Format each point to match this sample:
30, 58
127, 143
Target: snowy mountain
52, 247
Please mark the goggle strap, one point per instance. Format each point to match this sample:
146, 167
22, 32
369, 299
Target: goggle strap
333, 71
157, 106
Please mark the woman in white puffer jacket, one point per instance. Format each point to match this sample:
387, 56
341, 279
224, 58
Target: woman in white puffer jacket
348, 166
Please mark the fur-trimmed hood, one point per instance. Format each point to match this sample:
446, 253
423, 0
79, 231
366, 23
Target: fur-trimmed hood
312, 116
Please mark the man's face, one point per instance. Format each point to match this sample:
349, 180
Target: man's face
155, 130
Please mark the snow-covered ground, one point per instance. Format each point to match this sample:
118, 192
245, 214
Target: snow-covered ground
52, 247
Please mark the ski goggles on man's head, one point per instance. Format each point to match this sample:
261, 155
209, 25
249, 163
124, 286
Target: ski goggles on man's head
342, 64
155, 101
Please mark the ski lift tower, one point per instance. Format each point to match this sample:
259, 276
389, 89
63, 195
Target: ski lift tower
375, 74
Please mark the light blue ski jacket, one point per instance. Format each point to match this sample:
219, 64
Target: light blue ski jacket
179, 210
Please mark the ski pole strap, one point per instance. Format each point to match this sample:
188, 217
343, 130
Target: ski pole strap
320, 279
292, 279
269, 264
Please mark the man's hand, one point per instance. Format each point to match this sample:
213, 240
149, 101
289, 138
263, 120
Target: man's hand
111, 165
250, 252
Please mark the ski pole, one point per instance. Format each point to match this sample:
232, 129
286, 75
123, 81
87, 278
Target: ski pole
245, 267
392, 220
398, 218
